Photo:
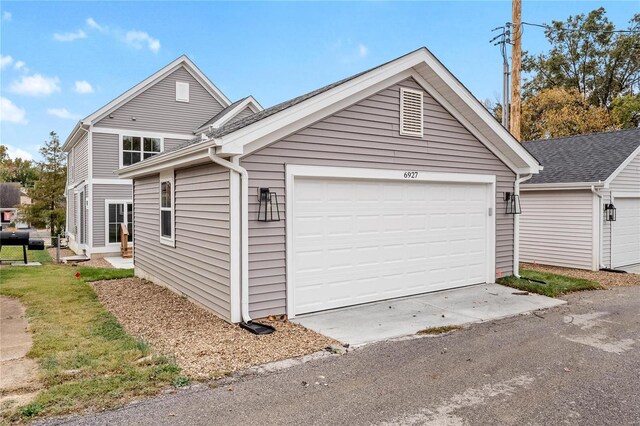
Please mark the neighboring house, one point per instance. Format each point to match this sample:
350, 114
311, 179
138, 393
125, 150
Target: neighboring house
388, 183
564, 221
9, 202
159, 114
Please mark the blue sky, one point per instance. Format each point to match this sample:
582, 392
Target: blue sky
63, 60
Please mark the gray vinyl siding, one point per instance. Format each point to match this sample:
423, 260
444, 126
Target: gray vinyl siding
71, 209
100, 194
242, 114
556, 228
156, 109
364, 135
198, 266
106, 155
81, 159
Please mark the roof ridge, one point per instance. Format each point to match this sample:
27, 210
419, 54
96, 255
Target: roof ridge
582, 134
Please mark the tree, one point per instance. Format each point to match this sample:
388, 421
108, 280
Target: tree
47, 195
586, 55
626, 111
561, 112
18, 170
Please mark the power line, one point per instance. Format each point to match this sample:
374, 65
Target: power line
549, 27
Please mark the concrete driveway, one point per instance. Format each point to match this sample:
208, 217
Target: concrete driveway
359, 325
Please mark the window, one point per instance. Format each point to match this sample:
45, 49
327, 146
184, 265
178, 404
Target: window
411, 120
118, 213
182, 91
136, 148
166, 209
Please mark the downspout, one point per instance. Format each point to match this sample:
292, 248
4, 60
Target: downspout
244, 230
516, 226
595, 191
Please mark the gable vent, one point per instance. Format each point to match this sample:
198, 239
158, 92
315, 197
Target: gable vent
182, 91
410, 112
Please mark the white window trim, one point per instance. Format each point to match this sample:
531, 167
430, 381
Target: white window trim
293, 171
167, 176
140, 135
404, 90
106, 221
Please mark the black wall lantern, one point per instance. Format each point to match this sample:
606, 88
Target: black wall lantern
512, 203
610, 212
267, 201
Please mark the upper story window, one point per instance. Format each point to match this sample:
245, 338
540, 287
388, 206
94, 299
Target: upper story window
137, 148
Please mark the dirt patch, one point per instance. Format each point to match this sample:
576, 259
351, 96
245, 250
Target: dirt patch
203, 344
606, 279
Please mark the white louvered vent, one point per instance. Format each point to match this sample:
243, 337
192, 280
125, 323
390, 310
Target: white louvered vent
182, 91
410, 112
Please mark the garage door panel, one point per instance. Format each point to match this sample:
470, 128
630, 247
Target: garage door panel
625, 242
360, 241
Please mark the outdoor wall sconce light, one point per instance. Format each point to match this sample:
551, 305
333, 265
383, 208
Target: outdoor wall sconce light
610, 212
513, 203
266, 212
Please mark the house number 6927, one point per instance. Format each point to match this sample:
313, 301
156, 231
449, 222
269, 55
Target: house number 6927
410, 175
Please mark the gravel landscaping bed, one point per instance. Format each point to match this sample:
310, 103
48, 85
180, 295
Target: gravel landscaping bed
606, 279
204, 345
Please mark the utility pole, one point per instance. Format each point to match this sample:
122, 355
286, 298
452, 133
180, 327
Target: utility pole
503, 39
516, 61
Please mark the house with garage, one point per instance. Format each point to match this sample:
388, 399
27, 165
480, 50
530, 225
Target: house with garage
393, 182
159, 114
583, 210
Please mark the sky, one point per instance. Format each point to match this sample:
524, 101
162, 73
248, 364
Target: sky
60, 61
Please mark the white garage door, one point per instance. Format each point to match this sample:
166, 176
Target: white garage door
358, 241
626, 232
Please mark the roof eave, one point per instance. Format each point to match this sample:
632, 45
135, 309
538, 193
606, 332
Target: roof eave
562, 185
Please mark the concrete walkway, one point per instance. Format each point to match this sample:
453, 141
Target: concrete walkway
18, 374
120, 262
358, 325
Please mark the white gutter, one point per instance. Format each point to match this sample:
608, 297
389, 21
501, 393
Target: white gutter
516, 226
600, 242
244, 230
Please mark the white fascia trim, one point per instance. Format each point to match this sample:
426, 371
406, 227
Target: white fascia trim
293, 171
142, 133
562, 186
622, 166
153, 79
618, 194
186, 159
112, 181
248, 102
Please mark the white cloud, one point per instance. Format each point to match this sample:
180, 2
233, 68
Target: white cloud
70, 36
83, 87
93, 24
14, 153
63, 113
363, 50
11, 112
6, 16
138, 39
21, 66
5, 61
35, 85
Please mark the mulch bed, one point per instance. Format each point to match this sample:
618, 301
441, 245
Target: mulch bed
606, 279
204, 345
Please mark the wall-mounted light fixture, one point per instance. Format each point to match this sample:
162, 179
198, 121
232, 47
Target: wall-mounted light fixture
512, 203
610, 212
267, 201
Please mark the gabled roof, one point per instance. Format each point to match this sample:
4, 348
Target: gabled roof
590, 158
182, 61
253, 132
229, 112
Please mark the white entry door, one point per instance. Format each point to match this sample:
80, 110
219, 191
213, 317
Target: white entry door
357, 241
625, 241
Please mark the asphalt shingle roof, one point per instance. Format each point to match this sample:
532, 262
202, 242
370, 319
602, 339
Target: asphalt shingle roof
221, 114
583, 158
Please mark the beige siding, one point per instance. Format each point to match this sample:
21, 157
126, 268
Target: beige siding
156, 109
100, 194
556, 228
364, 135
198, 266
106, 158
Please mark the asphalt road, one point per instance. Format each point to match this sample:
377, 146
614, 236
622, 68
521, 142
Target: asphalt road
575, 364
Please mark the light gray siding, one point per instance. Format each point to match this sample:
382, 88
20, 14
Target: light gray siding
364, 135
242, 114
556, 228
198, 266
81, 159
71, 209
99, 195
156, 109
106, 157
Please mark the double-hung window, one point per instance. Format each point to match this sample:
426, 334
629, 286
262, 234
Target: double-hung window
167, 229
119, 213
137, 148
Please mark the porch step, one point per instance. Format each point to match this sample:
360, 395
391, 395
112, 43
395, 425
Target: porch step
74, 259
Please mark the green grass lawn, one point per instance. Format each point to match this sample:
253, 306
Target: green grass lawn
556, 285
10, 252
86, 359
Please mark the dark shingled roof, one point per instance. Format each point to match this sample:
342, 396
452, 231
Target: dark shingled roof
583, 158
222, 113
9, 195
